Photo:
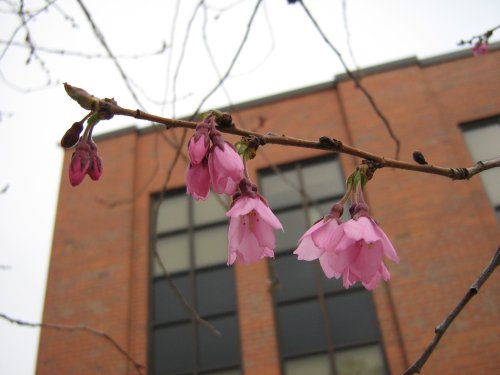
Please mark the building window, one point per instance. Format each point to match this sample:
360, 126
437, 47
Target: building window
191, 239
322, 328
482, 139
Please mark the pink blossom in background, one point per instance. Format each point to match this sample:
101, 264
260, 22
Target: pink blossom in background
226, 168
198, 180
80, 163
199, 144
251, 230
480, 48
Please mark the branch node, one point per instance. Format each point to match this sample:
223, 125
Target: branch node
330, 143
137, 113
460, 174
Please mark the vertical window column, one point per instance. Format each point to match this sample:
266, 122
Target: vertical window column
191, 240
322, 328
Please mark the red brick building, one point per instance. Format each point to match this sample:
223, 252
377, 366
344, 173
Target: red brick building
283, 316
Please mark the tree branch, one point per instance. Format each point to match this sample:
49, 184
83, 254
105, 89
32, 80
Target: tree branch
93, 331
324, 143
441, 329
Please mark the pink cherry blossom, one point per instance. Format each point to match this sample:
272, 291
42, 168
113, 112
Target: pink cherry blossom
251, 230
199, 144
198, 180
480, 48
80, 163
323, 235
226, 168
358, 254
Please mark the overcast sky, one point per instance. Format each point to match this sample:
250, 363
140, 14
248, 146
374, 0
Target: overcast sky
283, 52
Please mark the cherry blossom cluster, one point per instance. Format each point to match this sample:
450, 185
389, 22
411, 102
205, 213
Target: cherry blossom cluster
85, 160
215, 162
353, 250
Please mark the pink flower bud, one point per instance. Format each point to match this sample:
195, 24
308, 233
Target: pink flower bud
198, 145
80, 163
95, 169
198, 181
226, 168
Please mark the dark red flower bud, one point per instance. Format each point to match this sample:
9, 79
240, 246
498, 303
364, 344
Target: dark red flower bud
72, 135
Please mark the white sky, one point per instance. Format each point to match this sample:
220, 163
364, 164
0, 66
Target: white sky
283, 52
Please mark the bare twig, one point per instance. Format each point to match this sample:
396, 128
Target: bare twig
348, 34
441, 329
84, 55
81, 327
231, 65
100, 38
183, 300
325, 143
486, 35
351, 75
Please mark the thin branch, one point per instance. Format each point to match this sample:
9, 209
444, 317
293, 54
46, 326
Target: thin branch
476, 38
441, 329
233, 62
183, 52
348, 34
83, 54
351, 75
183, 300
27, 19
74, 328
325, 143
100, 38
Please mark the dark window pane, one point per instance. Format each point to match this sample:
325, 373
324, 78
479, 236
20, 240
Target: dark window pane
366, 360
215, 291
353, 318
278, 192
173, 213
300, 328
211, 210
318, 364
323, 179
296, 278
294, 224
223, 351
172, 349
210, 246
167, 307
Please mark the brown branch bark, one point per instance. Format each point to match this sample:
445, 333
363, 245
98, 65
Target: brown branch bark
81, 327
441, 329
325, 143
